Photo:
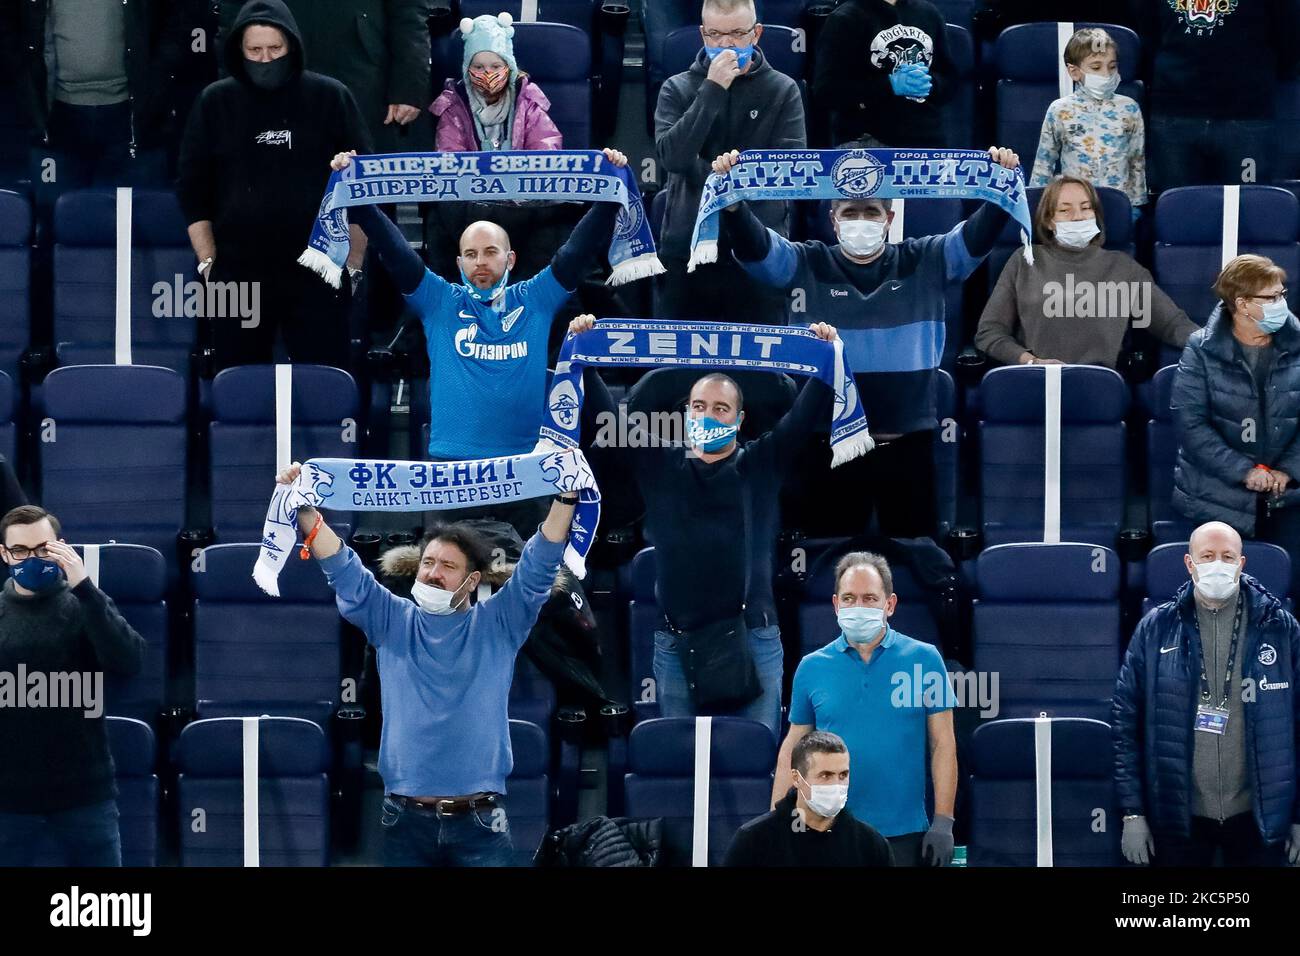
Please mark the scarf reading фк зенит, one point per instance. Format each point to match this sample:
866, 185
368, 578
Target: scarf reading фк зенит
704, 345
347, 484
764, 174
550, 174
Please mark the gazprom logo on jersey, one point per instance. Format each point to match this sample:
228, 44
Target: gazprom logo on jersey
857, 174
563, 403
467, 347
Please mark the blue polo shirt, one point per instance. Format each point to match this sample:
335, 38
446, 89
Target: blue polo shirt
880, 709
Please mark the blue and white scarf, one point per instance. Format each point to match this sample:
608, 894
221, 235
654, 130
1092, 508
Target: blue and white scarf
583, 175
858, 174
346, 484
704, 345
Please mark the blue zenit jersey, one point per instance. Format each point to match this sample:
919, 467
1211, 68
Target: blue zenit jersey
487, 375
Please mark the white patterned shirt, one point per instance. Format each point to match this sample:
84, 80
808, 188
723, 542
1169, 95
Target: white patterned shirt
1102, 141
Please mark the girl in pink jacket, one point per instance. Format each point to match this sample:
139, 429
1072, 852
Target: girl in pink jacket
494, 106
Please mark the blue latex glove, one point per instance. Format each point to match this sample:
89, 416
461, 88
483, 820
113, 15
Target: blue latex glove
911, 79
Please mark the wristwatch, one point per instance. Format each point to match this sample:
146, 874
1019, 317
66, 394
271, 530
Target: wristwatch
566, 501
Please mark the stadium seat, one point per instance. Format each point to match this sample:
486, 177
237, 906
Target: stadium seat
132, 745
255, 654
1094, 402
1047, 620
1115, 212
113, 454
1162, 456
532, 696
8, 414
293, 793
15, 280
1267, 563
644, 618
557, 56
947, 451
817, 626
1189, 240
528, 790
135, 577
243, 439
1004, 797
1027, 65
85, 280
661, 780
960, 113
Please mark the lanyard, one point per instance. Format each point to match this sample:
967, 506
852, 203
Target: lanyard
1232, 654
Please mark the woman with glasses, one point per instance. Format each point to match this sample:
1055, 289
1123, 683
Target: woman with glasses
1236, 399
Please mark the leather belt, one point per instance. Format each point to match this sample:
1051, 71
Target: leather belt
446, 806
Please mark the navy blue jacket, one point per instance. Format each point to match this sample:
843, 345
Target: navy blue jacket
1218, 408
1155, 710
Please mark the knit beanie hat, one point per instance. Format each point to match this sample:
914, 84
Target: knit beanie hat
489, 34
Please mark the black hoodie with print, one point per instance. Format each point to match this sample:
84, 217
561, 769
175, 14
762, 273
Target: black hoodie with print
255, 162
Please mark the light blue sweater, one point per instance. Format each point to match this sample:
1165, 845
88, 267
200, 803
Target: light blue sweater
446, 678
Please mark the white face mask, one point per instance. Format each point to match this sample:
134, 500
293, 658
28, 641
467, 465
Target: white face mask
433, 599
861, 237
1076, 233
827, 799
1217, 580
1100, 87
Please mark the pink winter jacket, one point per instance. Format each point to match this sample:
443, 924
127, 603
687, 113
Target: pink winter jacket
532, 129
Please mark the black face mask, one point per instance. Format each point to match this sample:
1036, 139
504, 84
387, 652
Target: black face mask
270, 75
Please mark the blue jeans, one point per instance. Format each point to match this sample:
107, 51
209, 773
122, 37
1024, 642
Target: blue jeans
84, 836
675, 697
414, 836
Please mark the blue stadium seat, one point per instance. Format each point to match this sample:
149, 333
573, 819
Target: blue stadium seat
947, 451
644, 618
135, 577
1162, 455
242, 436
817, 626
960, 113
557, 57
8, 413
1189, 237
255, 654
1115, 212
661, 780
15, 280
1027, 69
132, 745
532, 696
1004, 802
1267, 563
293, 793
113, 453
85, 255
1047, 620
1094, 402
528, 790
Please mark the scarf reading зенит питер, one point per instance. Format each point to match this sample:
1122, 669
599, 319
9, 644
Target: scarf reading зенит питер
704, 345
549, 174
347, 484
858, 174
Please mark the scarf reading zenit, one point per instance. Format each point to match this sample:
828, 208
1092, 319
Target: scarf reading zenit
584, 175
706, 345
858, 174
345, 484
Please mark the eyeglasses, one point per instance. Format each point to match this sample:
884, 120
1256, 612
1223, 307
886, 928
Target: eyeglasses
713, 36
1281, 296
19, 553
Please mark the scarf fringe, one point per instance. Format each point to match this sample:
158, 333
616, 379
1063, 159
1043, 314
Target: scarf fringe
638, 267
574, 562
1028, 245
852, 448
322, 265
704, 253
267, 579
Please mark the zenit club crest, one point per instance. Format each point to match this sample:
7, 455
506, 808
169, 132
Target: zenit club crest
857, 174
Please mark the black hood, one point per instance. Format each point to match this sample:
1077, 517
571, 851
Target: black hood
271, 13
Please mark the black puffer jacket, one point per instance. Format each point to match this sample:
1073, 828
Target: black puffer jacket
603, 841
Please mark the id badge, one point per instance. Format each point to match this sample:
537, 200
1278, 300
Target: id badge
1212, 720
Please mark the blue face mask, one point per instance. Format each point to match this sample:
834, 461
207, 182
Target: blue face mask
1275, 316
485, 295
743, 54
37, 574
861, 625
709, 434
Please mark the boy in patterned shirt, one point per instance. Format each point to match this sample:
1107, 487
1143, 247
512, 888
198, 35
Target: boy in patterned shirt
1094, 133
